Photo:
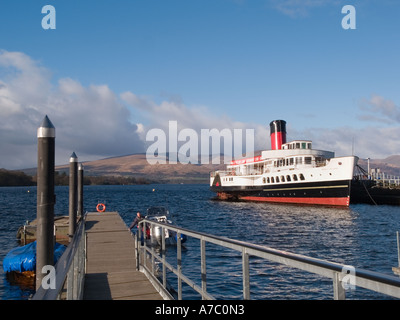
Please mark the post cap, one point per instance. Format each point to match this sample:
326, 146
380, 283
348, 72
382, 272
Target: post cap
73, 157
46, 129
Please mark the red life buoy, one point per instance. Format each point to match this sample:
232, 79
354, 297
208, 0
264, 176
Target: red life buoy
101, 205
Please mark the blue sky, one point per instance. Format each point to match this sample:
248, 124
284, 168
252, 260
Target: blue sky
113, 69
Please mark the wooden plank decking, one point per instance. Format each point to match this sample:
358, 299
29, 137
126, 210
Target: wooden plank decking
111, 267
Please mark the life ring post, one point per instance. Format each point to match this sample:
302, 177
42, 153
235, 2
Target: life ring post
101, 207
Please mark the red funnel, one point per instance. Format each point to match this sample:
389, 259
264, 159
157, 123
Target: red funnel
278, 134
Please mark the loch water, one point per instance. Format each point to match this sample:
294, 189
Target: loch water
363, 236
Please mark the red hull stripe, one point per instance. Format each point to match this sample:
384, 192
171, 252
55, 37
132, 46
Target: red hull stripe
342, 201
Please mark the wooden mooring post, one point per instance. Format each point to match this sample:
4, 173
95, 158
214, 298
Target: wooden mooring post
45, 198
80, 190
73, 194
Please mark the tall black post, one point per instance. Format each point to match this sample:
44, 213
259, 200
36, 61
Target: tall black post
73, 192
46, 134
80, 190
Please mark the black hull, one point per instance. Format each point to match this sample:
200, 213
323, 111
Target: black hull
336, 193
365, 191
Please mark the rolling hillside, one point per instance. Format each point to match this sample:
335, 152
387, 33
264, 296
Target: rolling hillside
136, 165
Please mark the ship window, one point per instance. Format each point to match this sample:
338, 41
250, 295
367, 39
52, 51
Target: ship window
307, 160
288, 178
303, 145
272, 179
308, 145
283, 178
301, 176
268, 180
291, 161
297, 145
294, 177
277, 179
264, 180
299, 160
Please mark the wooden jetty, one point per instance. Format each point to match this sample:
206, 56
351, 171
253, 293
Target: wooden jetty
111, 266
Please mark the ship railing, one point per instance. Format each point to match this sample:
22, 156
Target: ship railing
154, 264
379, 178
385, 180
69, 271
224, 173
260, 170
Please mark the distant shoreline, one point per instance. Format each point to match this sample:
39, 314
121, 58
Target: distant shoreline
13, 178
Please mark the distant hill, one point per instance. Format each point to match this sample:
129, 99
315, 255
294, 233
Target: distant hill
136, 165
389, 165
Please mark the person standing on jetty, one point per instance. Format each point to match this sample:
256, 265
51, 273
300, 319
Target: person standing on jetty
136, 221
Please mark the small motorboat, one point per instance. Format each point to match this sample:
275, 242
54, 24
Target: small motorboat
161, 214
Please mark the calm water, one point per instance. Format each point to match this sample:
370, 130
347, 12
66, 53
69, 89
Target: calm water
363, 236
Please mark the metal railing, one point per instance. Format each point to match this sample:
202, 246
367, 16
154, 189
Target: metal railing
342, 276
69, 270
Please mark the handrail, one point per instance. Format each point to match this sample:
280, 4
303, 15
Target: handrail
69, 269
343, 276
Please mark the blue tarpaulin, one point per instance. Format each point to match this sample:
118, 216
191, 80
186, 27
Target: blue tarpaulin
24, 258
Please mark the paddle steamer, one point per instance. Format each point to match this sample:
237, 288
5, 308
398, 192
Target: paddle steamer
291, 172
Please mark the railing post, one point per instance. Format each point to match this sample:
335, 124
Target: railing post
246, 275
82, 262
70, 280
141, 250
137, 244
398, 247
179, 263
75, 272
85, 235
203, 266
164, 272
144, 254
339, 293
153, 241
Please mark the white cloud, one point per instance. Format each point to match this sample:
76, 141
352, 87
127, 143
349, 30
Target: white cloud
91, 120
379, 109
195, 118
369, 142
299, 8
95, 122
374, 141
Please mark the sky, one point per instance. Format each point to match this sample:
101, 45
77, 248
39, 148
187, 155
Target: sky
111, 71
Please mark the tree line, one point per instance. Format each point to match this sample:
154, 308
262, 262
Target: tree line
15, 178
10, 178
